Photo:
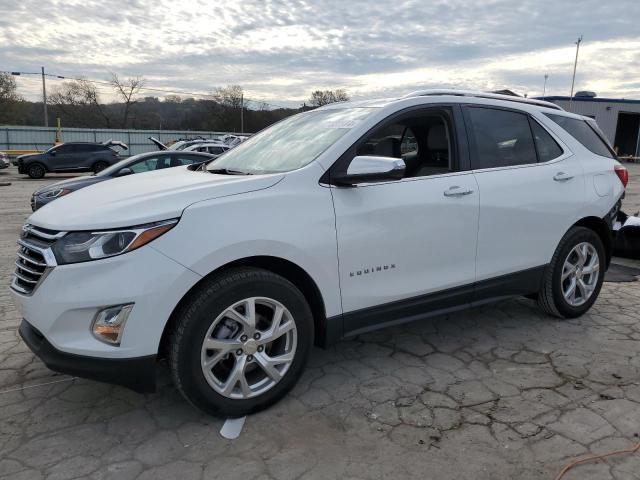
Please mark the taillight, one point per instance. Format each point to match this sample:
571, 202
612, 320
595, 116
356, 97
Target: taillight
623, 174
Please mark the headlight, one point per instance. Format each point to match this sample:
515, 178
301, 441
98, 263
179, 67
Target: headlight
58, 192
77, 247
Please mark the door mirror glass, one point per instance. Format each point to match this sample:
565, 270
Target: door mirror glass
365, 168
124, 171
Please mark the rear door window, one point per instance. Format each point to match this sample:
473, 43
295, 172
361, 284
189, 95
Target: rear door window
499, 138
583, 133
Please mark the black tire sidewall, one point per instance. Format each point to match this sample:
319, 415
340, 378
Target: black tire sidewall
40, 168
198, 321
574, 237
98, 164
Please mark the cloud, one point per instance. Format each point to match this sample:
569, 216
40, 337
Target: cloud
281, 50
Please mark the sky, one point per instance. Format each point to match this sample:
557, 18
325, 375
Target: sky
279, 51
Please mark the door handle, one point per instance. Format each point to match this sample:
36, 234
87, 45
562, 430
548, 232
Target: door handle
456, 191
562, 177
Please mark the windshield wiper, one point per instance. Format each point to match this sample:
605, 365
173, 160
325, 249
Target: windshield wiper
227, 171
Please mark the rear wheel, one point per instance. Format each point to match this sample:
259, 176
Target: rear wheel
99, 166
575, 275
36, 170
240, 342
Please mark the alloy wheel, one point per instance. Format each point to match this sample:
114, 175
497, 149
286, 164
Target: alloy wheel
249, 347
580, 273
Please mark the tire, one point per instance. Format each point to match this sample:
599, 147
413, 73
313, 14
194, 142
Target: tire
99, 166
554, 297
205, 313
36, 170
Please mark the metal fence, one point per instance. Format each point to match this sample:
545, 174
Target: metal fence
41, 138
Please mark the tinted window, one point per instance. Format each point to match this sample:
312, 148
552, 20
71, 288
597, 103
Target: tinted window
216, 150
65, 148
500, 138
78, 148
188, 160
582, 132
422, 141
145, 165
547, 147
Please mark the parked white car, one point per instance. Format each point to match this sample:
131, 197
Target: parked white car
331, 223
214, 148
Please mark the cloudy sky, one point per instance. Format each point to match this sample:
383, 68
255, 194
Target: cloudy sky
279, 51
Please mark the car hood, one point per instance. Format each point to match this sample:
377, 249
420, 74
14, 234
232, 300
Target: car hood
143, 198
29, 156
72, 183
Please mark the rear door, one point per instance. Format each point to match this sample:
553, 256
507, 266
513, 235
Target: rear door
401, 241
531, 191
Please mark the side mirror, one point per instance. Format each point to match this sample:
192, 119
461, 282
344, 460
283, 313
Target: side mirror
124, 171
52, 153
365, 168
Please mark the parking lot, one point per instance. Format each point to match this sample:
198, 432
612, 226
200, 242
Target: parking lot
498, 392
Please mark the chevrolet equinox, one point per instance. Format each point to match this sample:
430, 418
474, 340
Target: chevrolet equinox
328, 224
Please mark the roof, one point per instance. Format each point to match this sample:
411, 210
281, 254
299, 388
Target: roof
433, 92
591, 99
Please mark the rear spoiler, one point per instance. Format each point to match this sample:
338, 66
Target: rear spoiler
115, 143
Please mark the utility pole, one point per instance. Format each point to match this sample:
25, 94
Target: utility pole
242, 112
44, 99
575, 65
544, 88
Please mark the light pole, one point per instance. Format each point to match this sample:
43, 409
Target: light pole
44, 99
575, 65
44, 88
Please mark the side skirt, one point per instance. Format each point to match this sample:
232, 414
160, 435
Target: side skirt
438, 303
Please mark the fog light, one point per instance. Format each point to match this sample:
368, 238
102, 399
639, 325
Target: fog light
109, 323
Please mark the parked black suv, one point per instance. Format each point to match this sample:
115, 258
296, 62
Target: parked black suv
70, 157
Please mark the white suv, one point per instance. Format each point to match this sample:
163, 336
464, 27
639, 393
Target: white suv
333, 222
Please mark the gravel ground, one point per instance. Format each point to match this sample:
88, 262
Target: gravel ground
497, 392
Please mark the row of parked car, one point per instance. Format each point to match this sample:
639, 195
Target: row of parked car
105, 162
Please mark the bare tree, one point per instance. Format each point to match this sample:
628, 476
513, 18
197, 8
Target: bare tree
323, 97
79, 99
127, 89
226, 108
229, 96
11, 103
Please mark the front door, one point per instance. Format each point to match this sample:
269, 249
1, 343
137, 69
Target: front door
401, 241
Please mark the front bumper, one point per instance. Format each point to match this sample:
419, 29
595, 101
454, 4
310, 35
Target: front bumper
138, 374
63, 305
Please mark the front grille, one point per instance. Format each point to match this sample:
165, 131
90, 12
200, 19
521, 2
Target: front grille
35, 258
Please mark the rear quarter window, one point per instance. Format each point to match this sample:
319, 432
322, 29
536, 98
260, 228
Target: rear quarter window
584, 133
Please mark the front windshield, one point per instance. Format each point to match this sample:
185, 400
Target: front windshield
291, 143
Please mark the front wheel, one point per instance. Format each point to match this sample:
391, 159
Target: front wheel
240, 342
35, 170
575, 275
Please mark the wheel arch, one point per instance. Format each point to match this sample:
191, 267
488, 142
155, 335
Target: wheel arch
285, 268
602, 229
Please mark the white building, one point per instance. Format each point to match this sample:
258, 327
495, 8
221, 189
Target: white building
618, 118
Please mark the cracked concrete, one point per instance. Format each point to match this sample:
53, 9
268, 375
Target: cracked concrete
498, 392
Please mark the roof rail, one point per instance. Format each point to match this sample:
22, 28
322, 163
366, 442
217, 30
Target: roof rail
471, 93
